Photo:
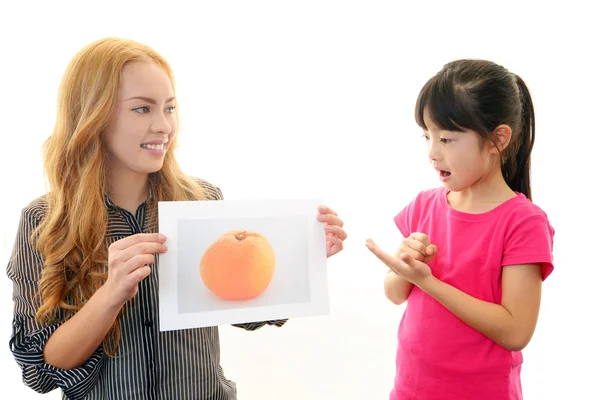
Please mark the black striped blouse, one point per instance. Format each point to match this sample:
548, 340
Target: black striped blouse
180, 364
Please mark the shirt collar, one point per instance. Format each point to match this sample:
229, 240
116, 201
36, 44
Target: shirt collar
151, 194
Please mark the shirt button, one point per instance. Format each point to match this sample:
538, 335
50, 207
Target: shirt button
147, 323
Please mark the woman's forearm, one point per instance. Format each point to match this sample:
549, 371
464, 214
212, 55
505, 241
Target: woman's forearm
74, 342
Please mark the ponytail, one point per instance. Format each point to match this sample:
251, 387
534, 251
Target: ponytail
517, 169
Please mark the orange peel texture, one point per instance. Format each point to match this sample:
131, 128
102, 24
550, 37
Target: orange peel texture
238, 265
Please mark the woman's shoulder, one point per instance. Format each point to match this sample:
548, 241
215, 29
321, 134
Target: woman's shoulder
36, 208
211, 190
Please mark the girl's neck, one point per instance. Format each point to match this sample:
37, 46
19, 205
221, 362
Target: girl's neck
483, 196
128, 189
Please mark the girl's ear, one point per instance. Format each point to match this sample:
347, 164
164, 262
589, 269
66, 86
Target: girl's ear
501, 138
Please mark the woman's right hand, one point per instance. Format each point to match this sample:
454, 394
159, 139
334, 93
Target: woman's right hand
419, 247
129, 262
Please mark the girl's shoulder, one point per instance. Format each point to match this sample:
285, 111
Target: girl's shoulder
429, 198
521, 208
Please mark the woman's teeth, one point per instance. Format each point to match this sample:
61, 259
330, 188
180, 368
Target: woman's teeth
153, 146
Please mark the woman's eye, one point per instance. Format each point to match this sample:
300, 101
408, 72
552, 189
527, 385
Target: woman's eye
142, 110
171, 110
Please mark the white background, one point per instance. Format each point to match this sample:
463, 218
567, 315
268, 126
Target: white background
315, 98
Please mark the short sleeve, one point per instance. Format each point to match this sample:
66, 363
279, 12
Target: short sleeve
29, 335
530, 242
404, 219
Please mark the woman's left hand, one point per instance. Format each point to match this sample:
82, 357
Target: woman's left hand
333, 228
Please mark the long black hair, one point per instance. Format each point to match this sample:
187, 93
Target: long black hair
480, 95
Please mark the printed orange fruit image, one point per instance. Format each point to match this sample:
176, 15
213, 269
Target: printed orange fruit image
238, 265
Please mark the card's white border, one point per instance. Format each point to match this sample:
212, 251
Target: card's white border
170, 212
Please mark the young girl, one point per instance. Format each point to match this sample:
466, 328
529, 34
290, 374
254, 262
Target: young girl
84, 260
476, 250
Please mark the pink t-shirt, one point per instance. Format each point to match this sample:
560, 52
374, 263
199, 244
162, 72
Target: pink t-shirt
440, 357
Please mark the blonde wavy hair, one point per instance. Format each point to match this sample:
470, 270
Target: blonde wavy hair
71, 237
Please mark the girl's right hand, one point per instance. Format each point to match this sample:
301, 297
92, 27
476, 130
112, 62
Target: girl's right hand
419, 247
129, 262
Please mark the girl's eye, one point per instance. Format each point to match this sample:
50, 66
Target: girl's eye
443, 140
142, 110
425, 137
171, 110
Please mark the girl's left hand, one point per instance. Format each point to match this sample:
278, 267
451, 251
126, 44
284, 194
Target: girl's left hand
333, 228
405, 266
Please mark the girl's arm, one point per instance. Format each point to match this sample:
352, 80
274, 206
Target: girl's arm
396, 288
510, 324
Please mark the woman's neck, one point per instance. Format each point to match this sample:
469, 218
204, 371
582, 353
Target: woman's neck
128, 190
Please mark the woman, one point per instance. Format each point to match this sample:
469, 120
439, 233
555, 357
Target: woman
86, 312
